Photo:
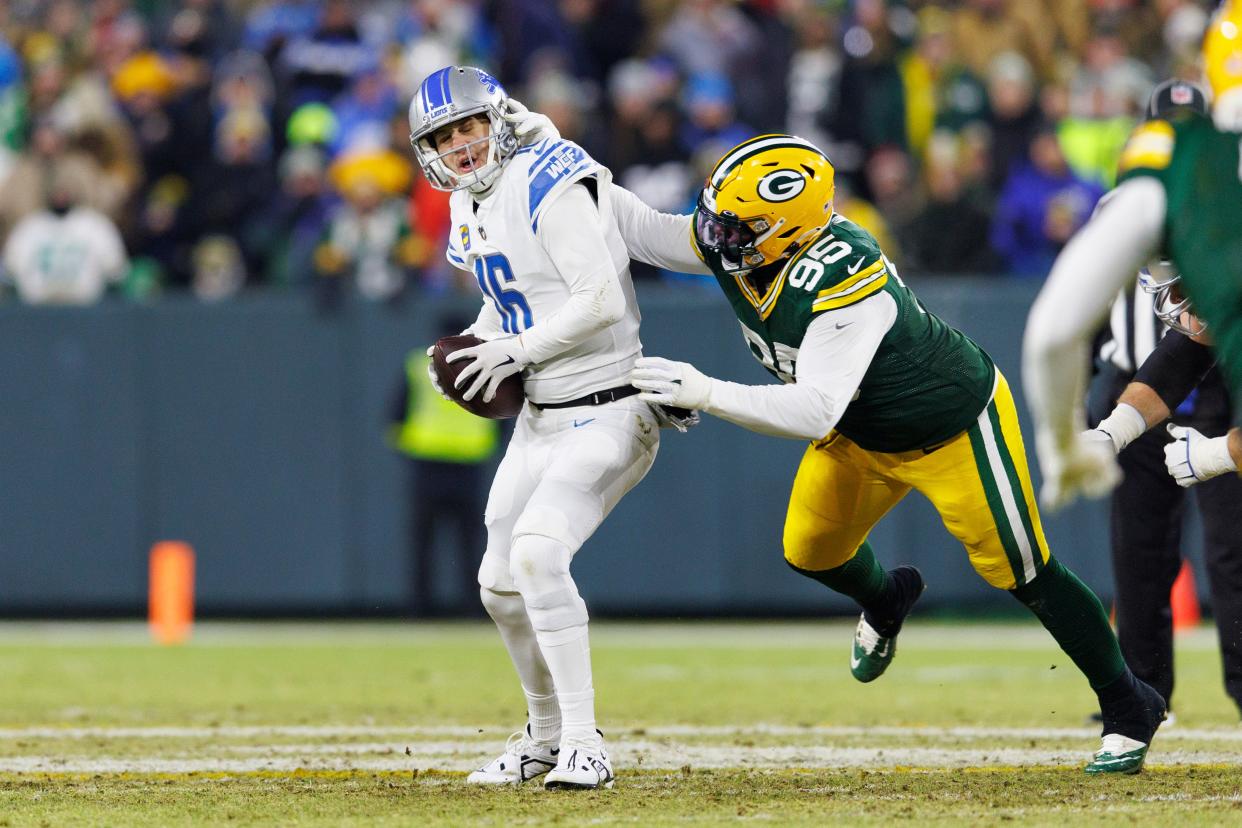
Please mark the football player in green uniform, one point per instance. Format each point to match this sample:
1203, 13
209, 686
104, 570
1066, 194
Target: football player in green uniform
891, 399
1179, 197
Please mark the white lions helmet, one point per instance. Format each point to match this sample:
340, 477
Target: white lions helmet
1161, 281
451, 94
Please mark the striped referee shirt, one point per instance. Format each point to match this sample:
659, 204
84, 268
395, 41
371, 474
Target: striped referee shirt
1133, 329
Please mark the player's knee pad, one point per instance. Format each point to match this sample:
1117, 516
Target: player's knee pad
539, 567
494, 573
505, 608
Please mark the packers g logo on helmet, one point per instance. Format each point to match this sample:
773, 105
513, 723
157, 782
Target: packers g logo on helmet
781, 185
763, 200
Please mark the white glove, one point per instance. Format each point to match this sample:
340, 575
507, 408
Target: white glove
1099, 435
493, 361
431, 375
1192, 458
664, 382
1086, 466
530, 127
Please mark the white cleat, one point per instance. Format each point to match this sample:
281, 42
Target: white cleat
584, 765
524, 759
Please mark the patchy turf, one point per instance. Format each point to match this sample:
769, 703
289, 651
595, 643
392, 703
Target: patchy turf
1196, 796
376, 725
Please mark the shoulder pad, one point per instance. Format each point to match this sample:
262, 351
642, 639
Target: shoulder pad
843, 266
555, 165
1150, 146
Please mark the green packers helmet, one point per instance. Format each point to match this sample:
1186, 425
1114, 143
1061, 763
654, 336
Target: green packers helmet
763, 200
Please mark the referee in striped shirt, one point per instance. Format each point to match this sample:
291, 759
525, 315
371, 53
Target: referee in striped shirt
1148, 507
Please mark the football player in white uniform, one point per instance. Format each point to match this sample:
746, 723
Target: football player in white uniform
529, 223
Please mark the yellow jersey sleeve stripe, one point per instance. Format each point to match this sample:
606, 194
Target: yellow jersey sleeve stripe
1150, 146
857, 295
849, 284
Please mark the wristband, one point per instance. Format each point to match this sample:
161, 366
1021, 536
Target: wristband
1124, 425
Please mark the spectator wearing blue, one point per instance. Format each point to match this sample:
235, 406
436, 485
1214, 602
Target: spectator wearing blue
12, 108
270, 25
320, 66
708, 101
1042, 205
364, 111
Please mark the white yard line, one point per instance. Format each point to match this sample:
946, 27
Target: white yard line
1224, 734
659, 747
647, 756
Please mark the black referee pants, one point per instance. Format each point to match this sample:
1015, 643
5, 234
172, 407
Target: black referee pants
1146, 526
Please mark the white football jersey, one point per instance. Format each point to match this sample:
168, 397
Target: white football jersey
65, 259
501, 242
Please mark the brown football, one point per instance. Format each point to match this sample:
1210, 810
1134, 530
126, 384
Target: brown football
509, 395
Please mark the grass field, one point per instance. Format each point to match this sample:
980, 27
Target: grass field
376, 724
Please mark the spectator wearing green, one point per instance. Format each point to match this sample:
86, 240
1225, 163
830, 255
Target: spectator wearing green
447, 450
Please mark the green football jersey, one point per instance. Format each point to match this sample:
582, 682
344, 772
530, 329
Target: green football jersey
927, 382
1200, 168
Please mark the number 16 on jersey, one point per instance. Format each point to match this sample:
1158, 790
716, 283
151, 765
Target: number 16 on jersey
493, 272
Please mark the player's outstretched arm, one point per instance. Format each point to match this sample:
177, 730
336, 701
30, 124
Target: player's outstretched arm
1102, 257
835, 353
660, 239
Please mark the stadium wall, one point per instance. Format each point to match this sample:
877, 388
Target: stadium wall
254, 429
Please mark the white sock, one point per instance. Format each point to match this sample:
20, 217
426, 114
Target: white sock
567, 653
508, 610
545, 717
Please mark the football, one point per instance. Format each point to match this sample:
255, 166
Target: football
509, 394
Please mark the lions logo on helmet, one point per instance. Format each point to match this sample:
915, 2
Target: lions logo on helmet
453, 94
764, 199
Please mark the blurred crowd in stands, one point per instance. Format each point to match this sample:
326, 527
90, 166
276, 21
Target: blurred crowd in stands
217, 144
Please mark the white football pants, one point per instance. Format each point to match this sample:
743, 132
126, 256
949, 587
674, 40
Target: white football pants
564, 471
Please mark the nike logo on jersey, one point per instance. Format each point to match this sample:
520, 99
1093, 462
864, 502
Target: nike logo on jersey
581, 423
852, 269
841, 325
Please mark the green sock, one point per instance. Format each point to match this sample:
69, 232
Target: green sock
1070, 611
861, 578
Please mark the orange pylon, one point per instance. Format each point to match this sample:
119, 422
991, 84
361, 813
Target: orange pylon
170, 599
1184, 599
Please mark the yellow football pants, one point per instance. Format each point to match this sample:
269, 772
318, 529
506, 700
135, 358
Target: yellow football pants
978, 481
